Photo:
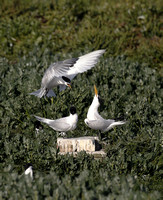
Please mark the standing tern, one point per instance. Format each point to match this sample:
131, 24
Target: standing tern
61, 73
64, 124
95, 121
28, 170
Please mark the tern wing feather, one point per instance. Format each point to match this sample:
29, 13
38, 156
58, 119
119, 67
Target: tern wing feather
44, 120
103, 124
114, 123
85, 62
60, 68
58, 124
96, 124
57, 69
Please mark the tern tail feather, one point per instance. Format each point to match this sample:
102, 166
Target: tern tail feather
51, 94
39, 93
116, 123
43, 92
41, 119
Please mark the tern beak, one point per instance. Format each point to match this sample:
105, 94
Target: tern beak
69, 85
96, 93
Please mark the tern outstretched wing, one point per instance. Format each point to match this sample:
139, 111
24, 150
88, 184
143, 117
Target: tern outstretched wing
85, 62
57, 70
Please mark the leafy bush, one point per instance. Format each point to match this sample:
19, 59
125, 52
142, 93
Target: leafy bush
133, 28
129, 90
37, 35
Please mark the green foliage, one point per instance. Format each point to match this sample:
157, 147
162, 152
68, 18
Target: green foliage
129, 90
86, 186
34, 35
133, 28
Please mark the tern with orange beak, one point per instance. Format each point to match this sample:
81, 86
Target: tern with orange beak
95, 121
61, 73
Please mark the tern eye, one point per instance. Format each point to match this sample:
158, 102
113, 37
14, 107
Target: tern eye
66, 79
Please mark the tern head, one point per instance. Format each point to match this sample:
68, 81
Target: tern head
72, 110
67, 81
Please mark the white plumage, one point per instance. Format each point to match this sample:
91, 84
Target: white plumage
95, 121
62, 72
64, 124
29, 170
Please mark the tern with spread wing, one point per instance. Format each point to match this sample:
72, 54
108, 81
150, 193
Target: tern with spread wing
95, 121
61, 73
64, 124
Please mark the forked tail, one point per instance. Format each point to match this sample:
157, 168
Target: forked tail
41, 119
43, 92
39, 93
115, 123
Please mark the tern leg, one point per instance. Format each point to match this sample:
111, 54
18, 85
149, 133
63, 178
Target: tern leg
46, 92
99, 134
62, 134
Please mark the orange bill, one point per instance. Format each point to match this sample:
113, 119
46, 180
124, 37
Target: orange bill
69, 85
96, 93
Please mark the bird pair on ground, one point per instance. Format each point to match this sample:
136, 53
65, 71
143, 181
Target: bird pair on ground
93, 120
60, 74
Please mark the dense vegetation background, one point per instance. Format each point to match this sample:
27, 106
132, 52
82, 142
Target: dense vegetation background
34, 34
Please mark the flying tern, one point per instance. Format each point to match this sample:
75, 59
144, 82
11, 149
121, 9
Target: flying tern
64, 124
95, 121
61, 73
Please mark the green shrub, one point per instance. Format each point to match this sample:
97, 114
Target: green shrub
33, 35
